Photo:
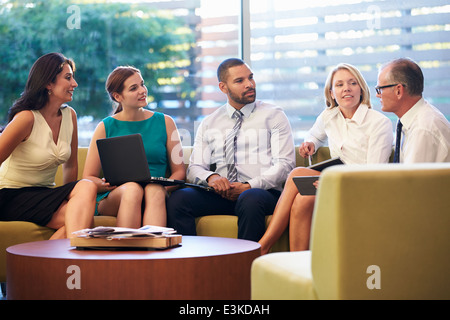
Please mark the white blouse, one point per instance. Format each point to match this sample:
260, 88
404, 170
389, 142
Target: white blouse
365, 138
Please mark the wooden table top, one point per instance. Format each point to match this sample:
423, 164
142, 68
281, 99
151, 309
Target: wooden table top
192, 247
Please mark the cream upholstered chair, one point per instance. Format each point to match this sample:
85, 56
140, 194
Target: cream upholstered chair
379, 232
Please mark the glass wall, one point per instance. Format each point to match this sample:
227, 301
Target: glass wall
178, 44
294, 44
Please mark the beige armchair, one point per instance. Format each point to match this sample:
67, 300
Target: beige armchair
379, 232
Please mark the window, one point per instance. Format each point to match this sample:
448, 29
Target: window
178, 44
295, 43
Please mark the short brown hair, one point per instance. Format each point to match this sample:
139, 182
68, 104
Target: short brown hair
408, 73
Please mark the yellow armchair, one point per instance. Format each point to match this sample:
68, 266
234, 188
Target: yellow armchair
379, 232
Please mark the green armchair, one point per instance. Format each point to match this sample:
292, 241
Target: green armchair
379, 232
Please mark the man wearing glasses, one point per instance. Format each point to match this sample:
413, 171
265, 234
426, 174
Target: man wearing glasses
423, 132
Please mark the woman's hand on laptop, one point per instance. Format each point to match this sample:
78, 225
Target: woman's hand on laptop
105, 186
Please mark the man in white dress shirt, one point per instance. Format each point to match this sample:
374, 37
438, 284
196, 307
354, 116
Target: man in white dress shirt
263, 156
425, 132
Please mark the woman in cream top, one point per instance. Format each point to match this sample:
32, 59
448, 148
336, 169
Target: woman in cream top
42, 134
34, 161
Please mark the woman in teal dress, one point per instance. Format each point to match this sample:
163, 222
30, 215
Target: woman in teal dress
162, 146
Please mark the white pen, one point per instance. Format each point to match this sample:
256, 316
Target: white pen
310, 160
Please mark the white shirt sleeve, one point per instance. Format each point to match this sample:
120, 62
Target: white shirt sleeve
282, 155
380, 142
200, 160
317, 134
423, 146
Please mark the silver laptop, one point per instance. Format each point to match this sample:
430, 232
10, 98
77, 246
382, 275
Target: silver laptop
123, 159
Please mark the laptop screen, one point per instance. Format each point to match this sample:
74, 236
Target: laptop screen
123, 159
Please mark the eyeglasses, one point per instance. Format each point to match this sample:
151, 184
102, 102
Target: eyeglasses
378, 89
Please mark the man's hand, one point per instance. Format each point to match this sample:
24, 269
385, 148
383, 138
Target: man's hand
219, 183
225, 188
236, 189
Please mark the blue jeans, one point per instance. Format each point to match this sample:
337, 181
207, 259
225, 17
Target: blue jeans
184, 205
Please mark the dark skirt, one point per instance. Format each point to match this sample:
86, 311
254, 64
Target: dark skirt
33, 204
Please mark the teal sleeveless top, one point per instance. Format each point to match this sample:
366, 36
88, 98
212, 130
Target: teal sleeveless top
154, 136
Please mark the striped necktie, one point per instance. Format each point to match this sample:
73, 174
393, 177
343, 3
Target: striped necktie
398, 138
230, 147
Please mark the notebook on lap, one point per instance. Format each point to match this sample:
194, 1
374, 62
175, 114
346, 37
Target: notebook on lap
123, 159
305, 185
325, 164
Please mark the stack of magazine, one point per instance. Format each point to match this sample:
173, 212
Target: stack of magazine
150, 237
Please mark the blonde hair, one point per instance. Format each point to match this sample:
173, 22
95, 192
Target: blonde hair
365, 93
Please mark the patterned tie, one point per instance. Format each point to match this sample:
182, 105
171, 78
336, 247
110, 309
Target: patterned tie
398, 138
230, 147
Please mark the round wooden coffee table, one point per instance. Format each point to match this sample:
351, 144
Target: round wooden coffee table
201, 268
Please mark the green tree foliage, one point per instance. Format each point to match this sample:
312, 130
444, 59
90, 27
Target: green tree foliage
108, 35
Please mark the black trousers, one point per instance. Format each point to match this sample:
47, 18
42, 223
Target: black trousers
184, 205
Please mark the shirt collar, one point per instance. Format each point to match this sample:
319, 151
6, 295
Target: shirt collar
358, 116
246, 110
409, 116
